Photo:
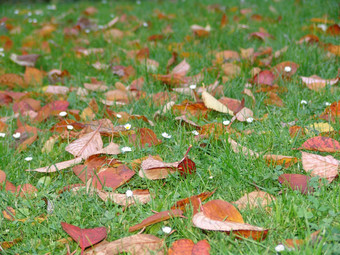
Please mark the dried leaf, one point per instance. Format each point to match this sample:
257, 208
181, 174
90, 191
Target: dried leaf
2, 177
212, 103
325, 167
84, 237
86, 146
24, 60
280, 160
140, 244
181, 69
237, 148
33, 76
244, 114
144, 137
203, 222
316, 83
157, 217
138, 197
318, 128
181, 204
332, 112
26, 190
12, 80
254, 199
58, 166
181, 246
265, 77
222, 211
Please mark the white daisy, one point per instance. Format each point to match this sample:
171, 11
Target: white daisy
125, 149
62, 114
303, 102
127, 126
226, 122
166, 229
250, 120
279, 248
118, 115
327, 103
129, 193
69, 127
2, 134
195, 132
193, 86
28, 159
166, 135
17, 135
288, 69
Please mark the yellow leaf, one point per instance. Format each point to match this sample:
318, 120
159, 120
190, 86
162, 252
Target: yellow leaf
212, 103
318, 128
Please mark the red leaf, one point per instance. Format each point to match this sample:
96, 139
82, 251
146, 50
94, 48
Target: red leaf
296, 182
84, 237
145, 136
265, 77
321, 143
201, 248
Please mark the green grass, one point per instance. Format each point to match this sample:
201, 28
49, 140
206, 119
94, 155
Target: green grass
293, 215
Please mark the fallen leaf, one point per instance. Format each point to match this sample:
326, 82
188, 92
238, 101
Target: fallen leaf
212, 103
86, 146
2, 177
33, 76
254, 199
181, 69
140, 244
273, 99
26, 190
287, 161
244, 114
157, 217
144, 137
332, 112
12, 80
188, 247
316, 83
8, 244
265, 77
318, 128
138, 197
296, 131
296, 182
325, 167
227, 55
58, 166
285, 69
200, 31
182, 204
237, 148
84, 237
222, 211
321, 143
203, 222
24, 60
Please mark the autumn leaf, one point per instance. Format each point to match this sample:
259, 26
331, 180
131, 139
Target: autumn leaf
321, 143
254, 199
188, 247
280, 160
332, 112
325, 167
86, 146
58, 166
212, 103
137, 197
157, 217
296, 182
84, 237
136, 244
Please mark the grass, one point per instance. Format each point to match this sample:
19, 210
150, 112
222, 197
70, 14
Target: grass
293, 215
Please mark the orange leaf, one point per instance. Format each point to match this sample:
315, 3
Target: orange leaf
181, 247
332, 112
145, 137
33, 76
254, 199
320, 143
181, 204
280, 160
221, 210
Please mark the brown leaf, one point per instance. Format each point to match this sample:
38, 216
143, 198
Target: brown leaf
201, 248
285, 69
111, 149
158, 217
287, 161
12, 80
139, 197
296, 130
58, 166
231, 103
244, 114
325, 167
296, 182
26, 190
181, 204
8, 244
273, 99
56, 90
189, 108
9, 213
144, 137
200, 31
25, 60
260, 35
333, 30
224, 21
84, 237
33, 76
140, 244
227, 55
231, 70
237, 148
86, 146
254, 199
51, 109
321, 143
332, 112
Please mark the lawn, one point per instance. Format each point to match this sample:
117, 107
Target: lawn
123, 61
